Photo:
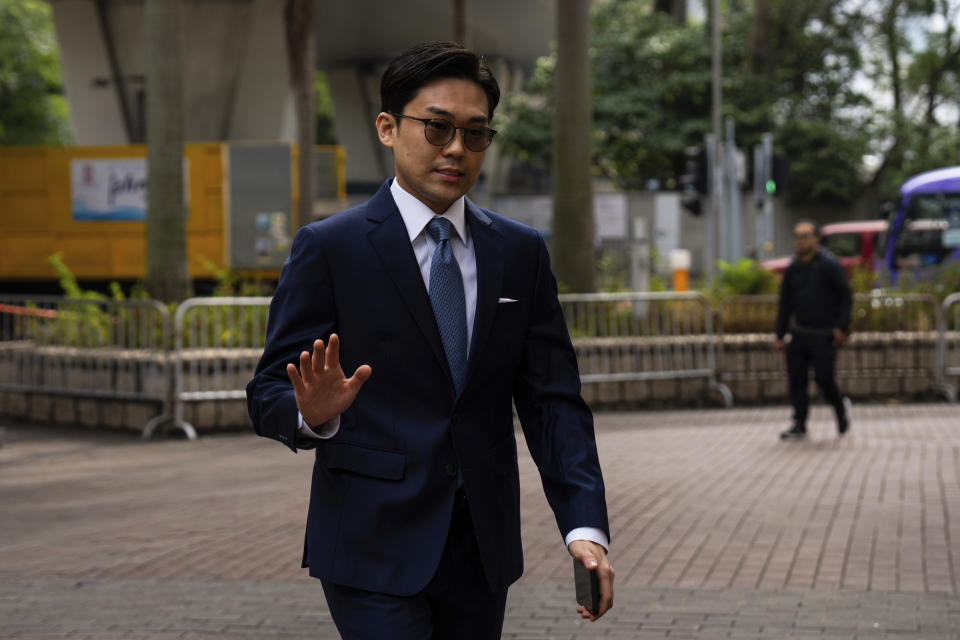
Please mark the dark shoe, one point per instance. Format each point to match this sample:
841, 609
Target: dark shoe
796, 433
843, 424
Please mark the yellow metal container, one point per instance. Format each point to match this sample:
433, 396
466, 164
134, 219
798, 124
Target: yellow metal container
37, 214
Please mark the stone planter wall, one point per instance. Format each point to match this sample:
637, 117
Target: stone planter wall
872, 366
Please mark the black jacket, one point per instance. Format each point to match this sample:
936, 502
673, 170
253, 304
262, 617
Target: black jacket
816, 295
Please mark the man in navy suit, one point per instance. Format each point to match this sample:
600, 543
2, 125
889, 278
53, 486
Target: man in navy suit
448, 315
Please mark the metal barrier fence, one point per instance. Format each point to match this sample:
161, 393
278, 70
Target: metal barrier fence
904, 327
86, 348
218, 343
130, 350
948, 346
643, 336
877, 311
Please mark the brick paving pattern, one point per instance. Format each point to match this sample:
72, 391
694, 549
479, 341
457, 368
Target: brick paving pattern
719, 531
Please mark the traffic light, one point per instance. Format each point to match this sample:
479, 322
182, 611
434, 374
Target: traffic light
694, 182
702, 172
777, 182
691, 202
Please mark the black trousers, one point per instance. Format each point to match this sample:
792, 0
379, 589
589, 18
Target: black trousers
816, 350
457, 604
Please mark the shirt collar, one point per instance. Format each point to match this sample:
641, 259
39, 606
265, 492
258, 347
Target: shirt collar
416, 215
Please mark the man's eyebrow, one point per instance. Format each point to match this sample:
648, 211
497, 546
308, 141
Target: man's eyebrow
442, 112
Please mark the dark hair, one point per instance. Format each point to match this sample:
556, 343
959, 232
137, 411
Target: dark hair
426, 62
812, 223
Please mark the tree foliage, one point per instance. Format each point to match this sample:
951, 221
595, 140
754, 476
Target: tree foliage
820, 75
32, 106
914, 59
325, 132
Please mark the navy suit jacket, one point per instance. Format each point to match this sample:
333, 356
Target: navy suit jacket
383, 486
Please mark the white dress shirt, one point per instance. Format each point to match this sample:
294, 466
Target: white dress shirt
416, 215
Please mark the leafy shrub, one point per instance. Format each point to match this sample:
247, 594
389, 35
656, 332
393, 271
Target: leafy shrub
742, 278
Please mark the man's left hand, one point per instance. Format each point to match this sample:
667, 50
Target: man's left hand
593, 556
839, 337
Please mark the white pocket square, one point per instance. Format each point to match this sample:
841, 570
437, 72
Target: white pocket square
505, 300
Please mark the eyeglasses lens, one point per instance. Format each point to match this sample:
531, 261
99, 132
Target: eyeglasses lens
441, 132
438, 132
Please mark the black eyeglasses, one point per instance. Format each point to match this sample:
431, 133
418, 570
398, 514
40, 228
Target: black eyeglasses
440, 132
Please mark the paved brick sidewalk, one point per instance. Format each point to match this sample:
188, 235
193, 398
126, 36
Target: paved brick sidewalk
720, 530
202, 609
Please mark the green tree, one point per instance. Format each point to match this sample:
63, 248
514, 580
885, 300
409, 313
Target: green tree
326, 133
32, 106
652, 92
915, 55
789, 67
799, 80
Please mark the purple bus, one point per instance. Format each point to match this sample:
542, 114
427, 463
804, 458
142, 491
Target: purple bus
924, 230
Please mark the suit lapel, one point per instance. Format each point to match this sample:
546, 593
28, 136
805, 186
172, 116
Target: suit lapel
392, 244
488, 247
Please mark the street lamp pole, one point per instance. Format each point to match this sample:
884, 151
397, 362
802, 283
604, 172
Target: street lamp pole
714, 216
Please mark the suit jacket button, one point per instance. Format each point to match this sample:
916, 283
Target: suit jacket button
450, 468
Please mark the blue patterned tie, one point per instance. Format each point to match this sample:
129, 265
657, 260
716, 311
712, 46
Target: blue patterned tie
449, 305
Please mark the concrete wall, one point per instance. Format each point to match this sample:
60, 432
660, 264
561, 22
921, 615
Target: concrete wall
94, 111
235, 77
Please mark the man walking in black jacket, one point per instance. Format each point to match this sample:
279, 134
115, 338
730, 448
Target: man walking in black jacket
815, 301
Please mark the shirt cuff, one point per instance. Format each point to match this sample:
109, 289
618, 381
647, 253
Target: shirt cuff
324, 432
588, 533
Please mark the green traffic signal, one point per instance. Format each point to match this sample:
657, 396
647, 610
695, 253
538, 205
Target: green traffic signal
771, 187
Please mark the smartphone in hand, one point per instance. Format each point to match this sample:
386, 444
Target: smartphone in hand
587, 586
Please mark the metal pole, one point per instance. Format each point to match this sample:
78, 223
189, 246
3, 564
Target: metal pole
733, 194
768, 199
710, 226
716, 196
760, 233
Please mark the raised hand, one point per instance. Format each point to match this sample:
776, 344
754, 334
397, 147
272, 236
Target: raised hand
320, 387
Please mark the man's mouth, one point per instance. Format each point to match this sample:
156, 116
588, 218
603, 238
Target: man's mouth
449, 173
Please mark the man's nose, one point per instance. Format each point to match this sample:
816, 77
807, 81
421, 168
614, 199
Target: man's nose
456, 145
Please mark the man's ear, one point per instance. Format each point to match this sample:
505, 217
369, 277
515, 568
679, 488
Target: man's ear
386, 128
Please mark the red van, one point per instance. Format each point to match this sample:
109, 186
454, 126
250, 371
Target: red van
856, 244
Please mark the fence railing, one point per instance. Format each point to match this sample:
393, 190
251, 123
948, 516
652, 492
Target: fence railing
130, 350
86, 348
905, 326
622, 337
218, 343
948, 347
886, 311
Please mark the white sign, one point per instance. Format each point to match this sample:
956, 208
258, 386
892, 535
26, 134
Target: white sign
113, 190
610, 215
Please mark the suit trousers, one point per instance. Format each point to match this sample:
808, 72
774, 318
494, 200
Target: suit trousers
457, 603
816, 349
